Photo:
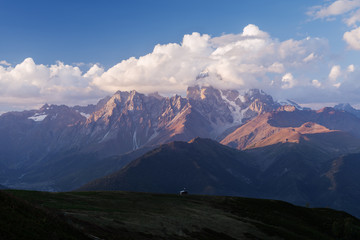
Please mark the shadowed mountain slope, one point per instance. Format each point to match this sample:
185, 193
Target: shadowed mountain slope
344, 190
297, 172
202, 165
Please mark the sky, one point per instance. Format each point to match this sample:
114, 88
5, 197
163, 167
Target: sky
76, 52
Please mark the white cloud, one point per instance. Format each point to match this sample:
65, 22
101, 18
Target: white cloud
288, 81
351, 68
338, 7
240, 60
276, 67
335, 72
32, 84
316, 83
253, 30
337, 85
353, 18
5, 63
352, 38
309, 58
94, 71
350, 12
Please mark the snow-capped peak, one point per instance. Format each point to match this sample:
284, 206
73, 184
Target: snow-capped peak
291, 103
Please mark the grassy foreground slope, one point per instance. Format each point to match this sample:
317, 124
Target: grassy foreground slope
20, 219
124, 215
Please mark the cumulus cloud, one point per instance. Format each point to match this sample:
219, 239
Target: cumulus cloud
288, 81
316, 83
248, 59
351, 68
33, 83
334, 73
352, 38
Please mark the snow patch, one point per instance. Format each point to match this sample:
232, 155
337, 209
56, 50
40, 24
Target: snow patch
85, 115
104, 137
155, 134
38, 117
242, 98
135, 144
236, 111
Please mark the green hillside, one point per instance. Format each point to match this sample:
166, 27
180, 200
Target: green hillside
124, 215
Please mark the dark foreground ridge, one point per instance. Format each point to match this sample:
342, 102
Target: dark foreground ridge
20, 219
125, 215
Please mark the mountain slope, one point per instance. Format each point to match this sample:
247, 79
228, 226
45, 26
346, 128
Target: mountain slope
344, 190
22, 220
347, 108
328, 129
26, 137
114, 215
300, 173
65, 171
294, 150
202, 165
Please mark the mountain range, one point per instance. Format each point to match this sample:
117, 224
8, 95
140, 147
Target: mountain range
219, 142
70, 141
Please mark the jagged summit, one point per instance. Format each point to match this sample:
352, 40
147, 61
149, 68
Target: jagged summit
289, 102
347, 108
152, 119
344, 106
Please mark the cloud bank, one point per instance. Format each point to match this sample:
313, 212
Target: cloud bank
250, 59
29, 84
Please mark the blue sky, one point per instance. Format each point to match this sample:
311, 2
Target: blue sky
109, 31
48, 48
